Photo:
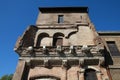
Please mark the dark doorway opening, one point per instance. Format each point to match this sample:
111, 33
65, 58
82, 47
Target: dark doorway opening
90, 74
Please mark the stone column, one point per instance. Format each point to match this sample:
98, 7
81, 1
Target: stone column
64, 67
18, 75
81, 74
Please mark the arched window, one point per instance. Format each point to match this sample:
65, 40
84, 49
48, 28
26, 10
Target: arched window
40, 37
90, 74
58, 39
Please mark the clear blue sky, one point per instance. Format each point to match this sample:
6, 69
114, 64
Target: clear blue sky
16, 15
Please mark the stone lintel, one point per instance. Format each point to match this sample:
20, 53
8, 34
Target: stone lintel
60, 61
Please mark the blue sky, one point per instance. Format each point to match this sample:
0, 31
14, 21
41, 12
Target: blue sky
16, 15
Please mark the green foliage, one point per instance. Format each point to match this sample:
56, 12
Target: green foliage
7, 77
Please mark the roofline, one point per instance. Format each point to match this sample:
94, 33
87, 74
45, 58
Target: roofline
64, 9
109, 32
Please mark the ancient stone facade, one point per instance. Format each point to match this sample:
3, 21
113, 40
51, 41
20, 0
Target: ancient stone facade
64, 45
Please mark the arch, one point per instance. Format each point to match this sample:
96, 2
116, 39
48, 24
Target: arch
90, 74
92, 67
45, 77
58, 39
58, 34
40, 37
74, 32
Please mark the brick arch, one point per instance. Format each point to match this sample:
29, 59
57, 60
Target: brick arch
44, 76
58, 39
95, 71
40, 37
58, 34
71, 33
94, 68
90, 67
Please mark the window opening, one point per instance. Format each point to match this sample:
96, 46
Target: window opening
60, 19
113, 48
90, 75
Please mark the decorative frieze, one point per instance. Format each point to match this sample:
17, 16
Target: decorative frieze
64, 62
80, 51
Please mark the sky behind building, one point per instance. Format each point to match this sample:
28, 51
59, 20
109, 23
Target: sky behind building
17, 15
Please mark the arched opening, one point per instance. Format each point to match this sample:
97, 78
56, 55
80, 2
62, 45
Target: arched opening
45, 78
90, 74
58, 39
40, 37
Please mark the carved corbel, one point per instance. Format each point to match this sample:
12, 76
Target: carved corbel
64, 63
46, 62
85, 49
59, 49
81, 62
72, 49
44, 50
29, 49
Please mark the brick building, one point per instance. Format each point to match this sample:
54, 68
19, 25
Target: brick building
64, 45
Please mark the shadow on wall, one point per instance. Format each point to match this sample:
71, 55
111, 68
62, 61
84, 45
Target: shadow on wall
108, 58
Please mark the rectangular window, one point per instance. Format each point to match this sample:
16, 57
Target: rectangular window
113, 48
60, 19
